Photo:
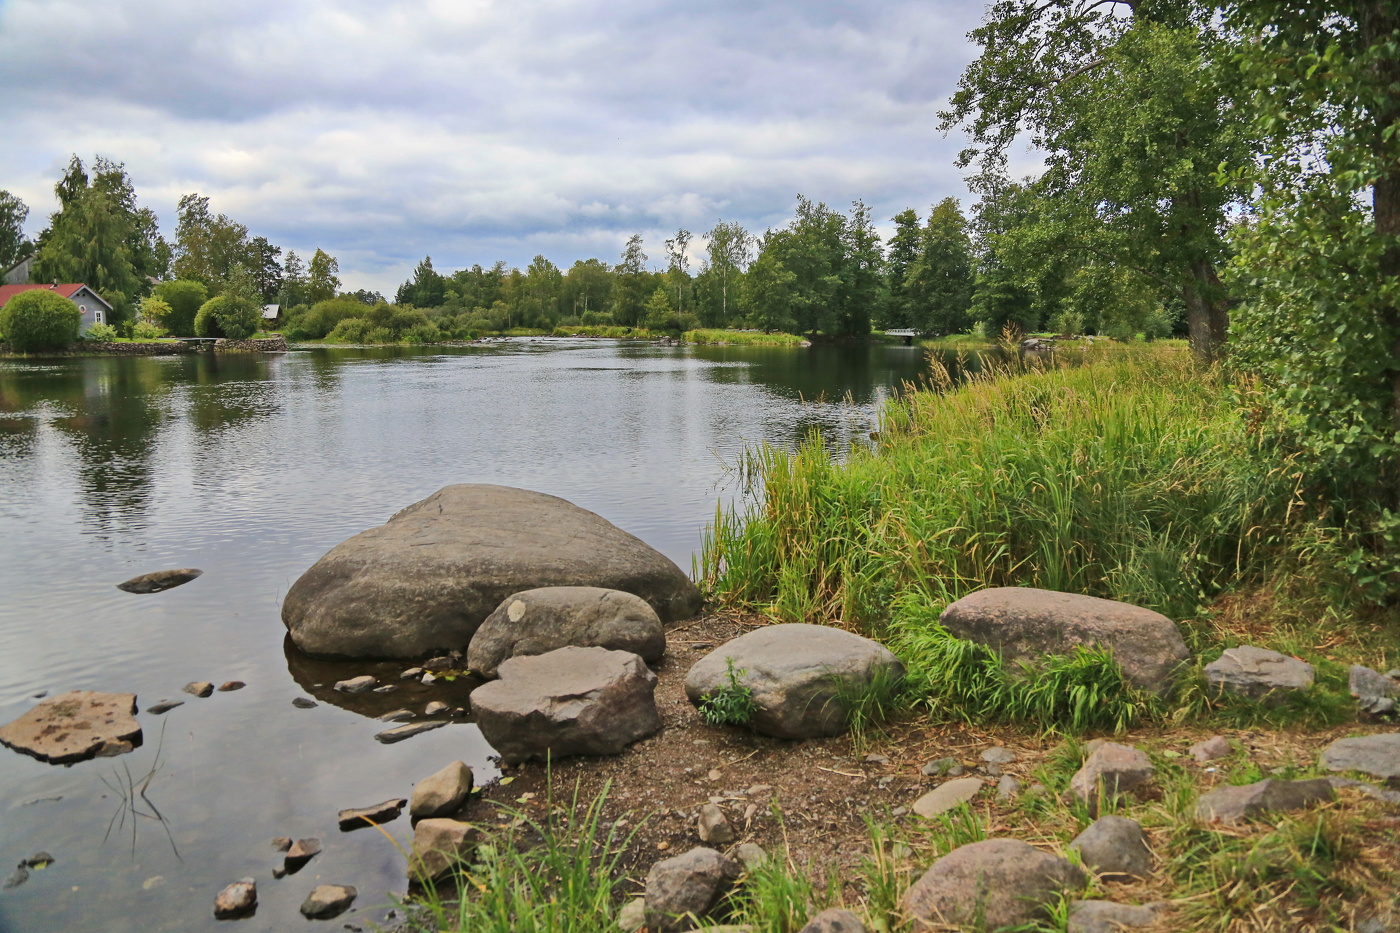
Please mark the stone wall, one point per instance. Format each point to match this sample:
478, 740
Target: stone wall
96, 348
265, 345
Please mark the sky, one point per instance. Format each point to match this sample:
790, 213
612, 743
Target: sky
478, 130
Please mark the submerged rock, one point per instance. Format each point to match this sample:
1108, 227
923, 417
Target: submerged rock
75, 726
429, 577
199, 688
390, 736
360, 817
328, 900
160, 580
164, 706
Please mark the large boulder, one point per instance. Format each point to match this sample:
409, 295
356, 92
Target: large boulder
75, 726
426, 579
1026, 624
800, 676
573, 701
540, 620
996, 883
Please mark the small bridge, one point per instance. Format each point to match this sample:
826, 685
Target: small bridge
907, 333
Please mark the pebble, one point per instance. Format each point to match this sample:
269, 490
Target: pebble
39, 696
946, 796
387, 688
356, 684
899, 811
39, 860
398, 715
948, 766
1008, 788
302, 851
231, 686
236, 900
328, 900
413, 673
752, 855
428, 678
758, 789
998, 755
715, 775
435, 707
200, 688
304, 703
281, 843
874, 759
390, 736
1212, 748
164, 706
714, 826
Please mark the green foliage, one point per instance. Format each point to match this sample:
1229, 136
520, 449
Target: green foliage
732, 704
380, 324
14, 246
657, 312
322, 281
317, 321
39, 319
937, 288
146, 330
236, 317
184, 297
101, 333
742, 338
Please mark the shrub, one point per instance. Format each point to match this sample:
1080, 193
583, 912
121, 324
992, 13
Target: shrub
184, 298
40, 320
234, 317
147, 330
732, 704
101, 333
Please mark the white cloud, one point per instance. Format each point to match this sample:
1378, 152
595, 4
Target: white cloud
478, 129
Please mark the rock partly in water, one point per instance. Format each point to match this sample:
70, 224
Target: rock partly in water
164, 706
798, 675
357, 684
231, 686
946, 796
75, 726
299, 853
438, 846
328, 900
687, 886
304, 703
239, 899
390, 736
1108, 917
1375, 755
160, 580
834, 920
361, 817
541, 620
572, 701
1026, 624
431, 575
1110, 771
1258, 674
1237, 803
199, 688
1115, 846
997, 883
434, 708
442, 792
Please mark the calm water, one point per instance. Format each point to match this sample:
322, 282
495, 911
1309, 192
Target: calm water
253, 466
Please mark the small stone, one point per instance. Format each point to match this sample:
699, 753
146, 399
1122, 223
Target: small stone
1008, 788
941, 766
441, 663
199, 688
387, 688
390, 736
438, 846
899, 811
301, 852
413, 673
752, 856
758, 789
633, 915
714, 826
715, 775
159, 580
947, 796
686, 886
427, 678
164, 706
1110, 771
328, 900
441, 793
237, 900
282, 843
435, 707
1108, 917
834, 920
360, 817
356, 684
398, 715
1115, 846
1259, 674
304, 703
279, 872
997, 755
874, 759
39, 860
39, 696
1212, 749
231, 686
1233, 804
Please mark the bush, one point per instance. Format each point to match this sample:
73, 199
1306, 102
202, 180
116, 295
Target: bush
322, 318
228, 316
146, 330
40, 320
184, 298
101, 333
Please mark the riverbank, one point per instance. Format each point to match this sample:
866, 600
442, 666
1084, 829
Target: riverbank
160, 347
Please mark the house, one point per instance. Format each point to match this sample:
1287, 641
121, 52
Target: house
94, 309
19, 275
270, 314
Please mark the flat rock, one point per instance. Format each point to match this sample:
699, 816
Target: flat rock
1026, 624
798, 674
231, 686
686, 886
399, 734
360, 817
834, 920
163, 707
544, 619
328, 900
398, 715
301, 852
438, 846
237, 900
1233, 804
441, 793
571, 701
946, 796
1211, 749
940, 766
160, 580
1108, 917
429, 577
1376, 755
714, 826
1115, 846
199, 688
1258, 674
1111, 770
996, 882
997, 755
1365, 682
356, 684
304, 703
75, 726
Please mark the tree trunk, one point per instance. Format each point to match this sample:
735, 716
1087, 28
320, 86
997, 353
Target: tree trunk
1206, 316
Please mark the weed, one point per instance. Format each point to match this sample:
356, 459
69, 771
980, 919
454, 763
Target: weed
869, 703
732, 704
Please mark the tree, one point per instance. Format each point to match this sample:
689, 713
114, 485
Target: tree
1134, 117
768, 290
426, 289
938, 284
862, 271
631, 284
586, 287
730, 249
678, 266
538, 298
294, 285
39, 319
235, 316
322, 282
658, 310
267, 271
184, 297
207, 245
14, 246
904, 250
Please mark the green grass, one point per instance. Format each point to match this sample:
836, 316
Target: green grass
616, 332
743, 338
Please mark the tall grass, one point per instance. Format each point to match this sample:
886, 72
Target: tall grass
615, 331
743, 338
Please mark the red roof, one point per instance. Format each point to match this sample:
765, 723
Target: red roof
67, 290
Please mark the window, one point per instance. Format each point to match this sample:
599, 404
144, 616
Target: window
96, 316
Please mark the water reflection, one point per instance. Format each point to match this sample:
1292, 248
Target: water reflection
318, 677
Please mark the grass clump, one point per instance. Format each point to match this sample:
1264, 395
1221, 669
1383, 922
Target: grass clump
614, 331
732, 704
742, 338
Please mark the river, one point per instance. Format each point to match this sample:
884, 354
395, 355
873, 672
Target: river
251, 467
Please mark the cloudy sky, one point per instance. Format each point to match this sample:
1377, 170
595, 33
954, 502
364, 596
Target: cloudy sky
476, 130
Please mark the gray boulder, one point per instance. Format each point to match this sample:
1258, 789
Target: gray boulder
1377, 755
1111, 770
540, 620
427, 578
797, 673
1234, 804
1259, 674
573, 701
834, 920
1115, 846
439, 845
441, 793
75, 726
1026, 624
685, 887
160, 580
1374, 691
997, 882
1108, 917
